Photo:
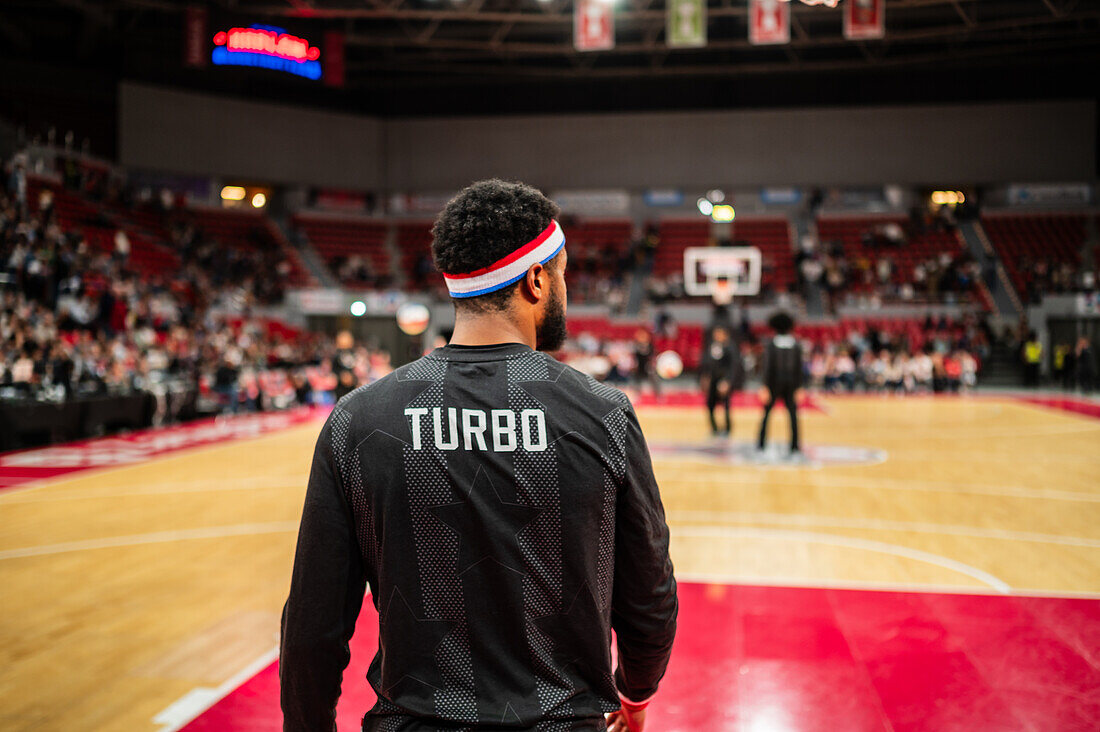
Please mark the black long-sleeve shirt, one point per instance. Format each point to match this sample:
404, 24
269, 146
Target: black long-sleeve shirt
722, 362
502, 509
782, 371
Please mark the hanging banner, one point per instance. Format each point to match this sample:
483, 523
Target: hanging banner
769, 22
864, 19
194, 37
333, 74
686, 24
593, 26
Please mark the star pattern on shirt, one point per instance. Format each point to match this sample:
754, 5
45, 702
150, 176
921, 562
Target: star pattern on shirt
568, 627
591, 432
405, 392
488, 526
399, 622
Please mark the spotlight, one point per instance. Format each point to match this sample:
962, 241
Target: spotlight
705, 206
722, 214
358, 308
259, 200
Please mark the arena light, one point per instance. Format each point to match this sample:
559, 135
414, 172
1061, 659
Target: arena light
945, 198
233, 193
723, 214
705, 206
259, 200
715, 196
358, 308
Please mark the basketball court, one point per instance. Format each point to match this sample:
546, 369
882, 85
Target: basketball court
935, 564
251, 209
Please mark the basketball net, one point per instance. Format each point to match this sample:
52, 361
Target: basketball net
721, 291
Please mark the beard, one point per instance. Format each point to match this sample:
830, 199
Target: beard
550, 334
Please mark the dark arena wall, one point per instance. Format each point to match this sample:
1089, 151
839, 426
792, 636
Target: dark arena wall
1050, 141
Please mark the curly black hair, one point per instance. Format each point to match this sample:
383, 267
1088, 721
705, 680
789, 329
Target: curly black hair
484, 223
781, 322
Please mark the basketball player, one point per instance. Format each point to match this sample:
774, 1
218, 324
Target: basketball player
722, 372
500, 507
782, 375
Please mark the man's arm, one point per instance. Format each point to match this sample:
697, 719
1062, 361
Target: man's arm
801, 377
736, 366
643, 603
767, 367
326, 594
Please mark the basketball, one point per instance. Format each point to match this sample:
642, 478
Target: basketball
669, 365
412, 318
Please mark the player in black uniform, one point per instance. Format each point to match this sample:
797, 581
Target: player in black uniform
500, 507
783, 376
721, 373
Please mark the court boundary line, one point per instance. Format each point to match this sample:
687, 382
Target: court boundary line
806, 583
225, 688
851, 542
177, 720
156, 537
199, 485
976, 489
885, 525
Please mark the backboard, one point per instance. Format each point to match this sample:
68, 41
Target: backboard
706, 267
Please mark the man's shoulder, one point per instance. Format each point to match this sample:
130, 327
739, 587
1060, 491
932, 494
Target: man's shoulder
588, 386
428, 368
367, 396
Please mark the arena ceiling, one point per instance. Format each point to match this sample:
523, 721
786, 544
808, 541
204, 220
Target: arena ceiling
469, 56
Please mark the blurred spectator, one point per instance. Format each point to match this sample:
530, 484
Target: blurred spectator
1086, 365
1032, 355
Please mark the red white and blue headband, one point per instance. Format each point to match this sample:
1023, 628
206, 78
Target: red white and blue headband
511, 269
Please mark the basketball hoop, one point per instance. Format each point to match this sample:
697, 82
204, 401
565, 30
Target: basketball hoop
722, 273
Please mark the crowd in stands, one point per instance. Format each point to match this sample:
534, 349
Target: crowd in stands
1042, 277
931, 369
76, 320
890, 262
935, 355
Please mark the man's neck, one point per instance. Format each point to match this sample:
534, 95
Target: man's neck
490, 329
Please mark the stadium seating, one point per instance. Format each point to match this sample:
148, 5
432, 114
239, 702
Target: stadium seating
250, 230
338, 237
99, 225
1022, 240
414, 241
773, 238
676, 236
851, 233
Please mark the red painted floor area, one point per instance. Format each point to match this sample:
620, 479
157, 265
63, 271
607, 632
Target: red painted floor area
771, 659
27, 466
1076, 405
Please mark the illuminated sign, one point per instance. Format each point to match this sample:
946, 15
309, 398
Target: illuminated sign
267, 47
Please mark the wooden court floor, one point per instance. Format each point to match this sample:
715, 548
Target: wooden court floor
124, 589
